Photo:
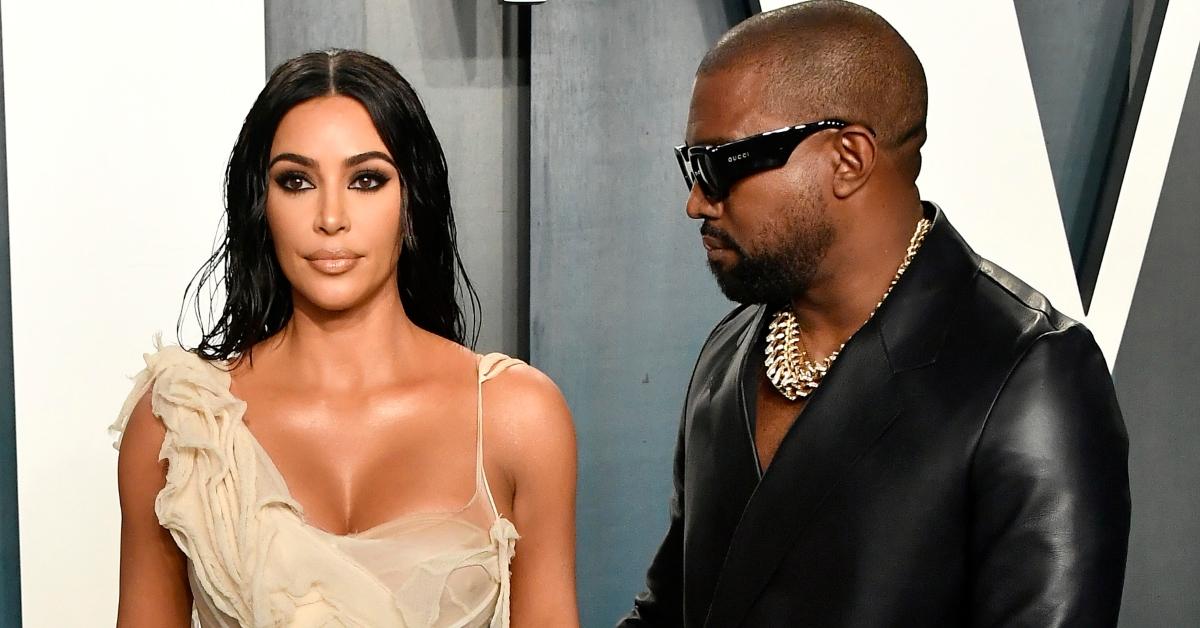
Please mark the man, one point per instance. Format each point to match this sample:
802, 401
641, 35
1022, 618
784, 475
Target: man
890, 431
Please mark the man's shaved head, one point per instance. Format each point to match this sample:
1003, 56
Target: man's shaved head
833, 59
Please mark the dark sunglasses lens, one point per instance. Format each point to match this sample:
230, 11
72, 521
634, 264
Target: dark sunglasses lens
702, 165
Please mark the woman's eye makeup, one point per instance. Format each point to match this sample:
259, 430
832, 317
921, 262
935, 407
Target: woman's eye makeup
293, 181
368, 180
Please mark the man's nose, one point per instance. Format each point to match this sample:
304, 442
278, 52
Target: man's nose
700, 207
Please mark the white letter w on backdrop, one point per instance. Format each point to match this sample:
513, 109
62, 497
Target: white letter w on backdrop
986, 162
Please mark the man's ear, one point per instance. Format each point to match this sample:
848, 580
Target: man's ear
856, 152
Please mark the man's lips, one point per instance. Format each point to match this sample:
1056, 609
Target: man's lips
713, 244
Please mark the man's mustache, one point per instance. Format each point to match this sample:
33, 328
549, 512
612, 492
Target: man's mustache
706, 229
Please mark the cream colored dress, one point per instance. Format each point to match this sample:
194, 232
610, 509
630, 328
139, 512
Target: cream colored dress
254, 561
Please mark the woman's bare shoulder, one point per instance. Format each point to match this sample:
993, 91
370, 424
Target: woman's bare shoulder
140, 473
521, 390
527, 413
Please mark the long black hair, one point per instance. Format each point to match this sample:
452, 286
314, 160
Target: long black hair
258, 298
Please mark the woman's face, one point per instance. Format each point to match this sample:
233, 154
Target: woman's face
334, 204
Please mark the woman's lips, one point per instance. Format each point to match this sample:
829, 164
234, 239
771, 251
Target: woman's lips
333, 262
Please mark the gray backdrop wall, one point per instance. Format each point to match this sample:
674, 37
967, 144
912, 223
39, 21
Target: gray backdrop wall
620, 297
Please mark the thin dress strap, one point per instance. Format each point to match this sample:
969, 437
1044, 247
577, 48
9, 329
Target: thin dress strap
488, 366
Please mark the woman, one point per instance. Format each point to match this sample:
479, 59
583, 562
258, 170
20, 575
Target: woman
331, 454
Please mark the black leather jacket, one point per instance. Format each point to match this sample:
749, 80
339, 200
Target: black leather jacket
964, 463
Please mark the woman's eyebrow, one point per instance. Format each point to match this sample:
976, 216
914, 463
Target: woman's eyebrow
367, 156
300, 159
350, 162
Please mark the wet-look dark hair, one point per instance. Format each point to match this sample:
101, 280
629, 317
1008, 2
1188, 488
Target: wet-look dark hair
258, 298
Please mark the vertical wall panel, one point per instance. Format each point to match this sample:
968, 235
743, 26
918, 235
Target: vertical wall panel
1156, 377
620, 297
294, 27
119, 120
463, 60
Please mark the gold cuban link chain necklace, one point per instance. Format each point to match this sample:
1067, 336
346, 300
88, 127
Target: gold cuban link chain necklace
788, 367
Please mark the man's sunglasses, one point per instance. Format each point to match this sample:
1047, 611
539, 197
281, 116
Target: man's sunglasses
717, 168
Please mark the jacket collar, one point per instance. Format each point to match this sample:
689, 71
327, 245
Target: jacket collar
914, 319
856, 404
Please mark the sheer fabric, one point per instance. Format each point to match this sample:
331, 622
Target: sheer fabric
254, 561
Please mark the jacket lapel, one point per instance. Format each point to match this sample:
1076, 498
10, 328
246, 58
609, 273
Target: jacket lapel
720, 423
854, 406
720, 472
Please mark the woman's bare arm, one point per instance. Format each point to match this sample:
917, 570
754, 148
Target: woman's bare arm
533, 440
154, 586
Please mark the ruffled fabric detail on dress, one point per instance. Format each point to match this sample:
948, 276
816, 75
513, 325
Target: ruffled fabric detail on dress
505, 537
226, 510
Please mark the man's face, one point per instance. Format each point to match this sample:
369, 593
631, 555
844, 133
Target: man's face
766, 239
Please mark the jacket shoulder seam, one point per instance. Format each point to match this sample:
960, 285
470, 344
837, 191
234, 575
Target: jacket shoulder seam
1008, 377
1048, 312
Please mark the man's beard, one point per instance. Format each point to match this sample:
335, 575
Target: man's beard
781, 271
